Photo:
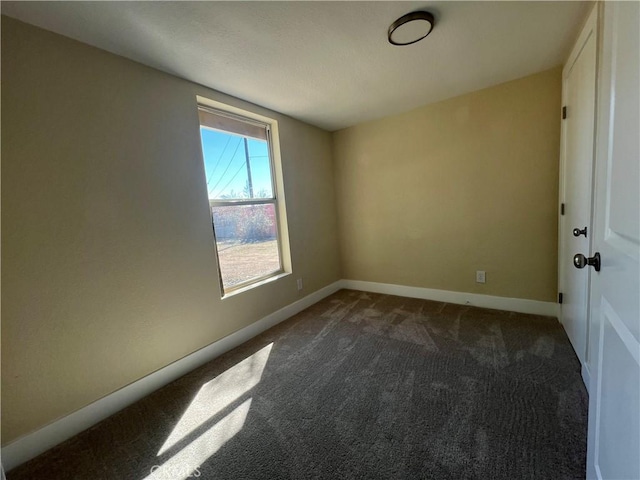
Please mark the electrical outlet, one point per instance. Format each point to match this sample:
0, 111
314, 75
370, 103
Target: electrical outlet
299, 281
481, 276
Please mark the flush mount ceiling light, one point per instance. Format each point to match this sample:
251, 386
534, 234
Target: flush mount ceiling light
410, 28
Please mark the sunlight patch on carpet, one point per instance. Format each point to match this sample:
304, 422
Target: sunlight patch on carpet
218, 394
186, 463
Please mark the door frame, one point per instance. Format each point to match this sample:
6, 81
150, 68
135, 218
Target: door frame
590, 27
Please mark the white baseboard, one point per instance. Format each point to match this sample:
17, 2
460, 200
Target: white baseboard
35, 443
586, 376
486, 301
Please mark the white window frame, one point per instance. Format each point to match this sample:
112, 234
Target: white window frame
282, 232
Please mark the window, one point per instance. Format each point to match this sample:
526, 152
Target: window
243, 199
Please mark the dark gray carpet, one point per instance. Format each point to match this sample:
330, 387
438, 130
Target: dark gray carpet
360, 386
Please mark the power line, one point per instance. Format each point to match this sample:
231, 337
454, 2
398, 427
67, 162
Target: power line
218, 161
232, 178
228, 165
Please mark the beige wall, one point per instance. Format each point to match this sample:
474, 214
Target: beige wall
428, 197
108, 270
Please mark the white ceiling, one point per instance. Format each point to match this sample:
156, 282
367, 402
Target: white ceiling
326, 63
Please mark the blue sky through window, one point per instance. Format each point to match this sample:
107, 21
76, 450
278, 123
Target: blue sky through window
226, 168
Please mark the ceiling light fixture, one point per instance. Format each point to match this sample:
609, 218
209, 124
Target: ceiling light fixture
410, 28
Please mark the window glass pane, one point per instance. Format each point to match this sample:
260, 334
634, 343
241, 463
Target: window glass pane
242, 198
237, 167
246, 237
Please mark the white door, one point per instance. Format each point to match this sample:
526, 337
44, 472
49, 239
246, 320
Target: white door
579, 96
614, 400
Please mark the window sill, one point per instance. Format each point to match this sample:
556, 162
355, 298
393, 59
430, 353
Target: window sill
259, 283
